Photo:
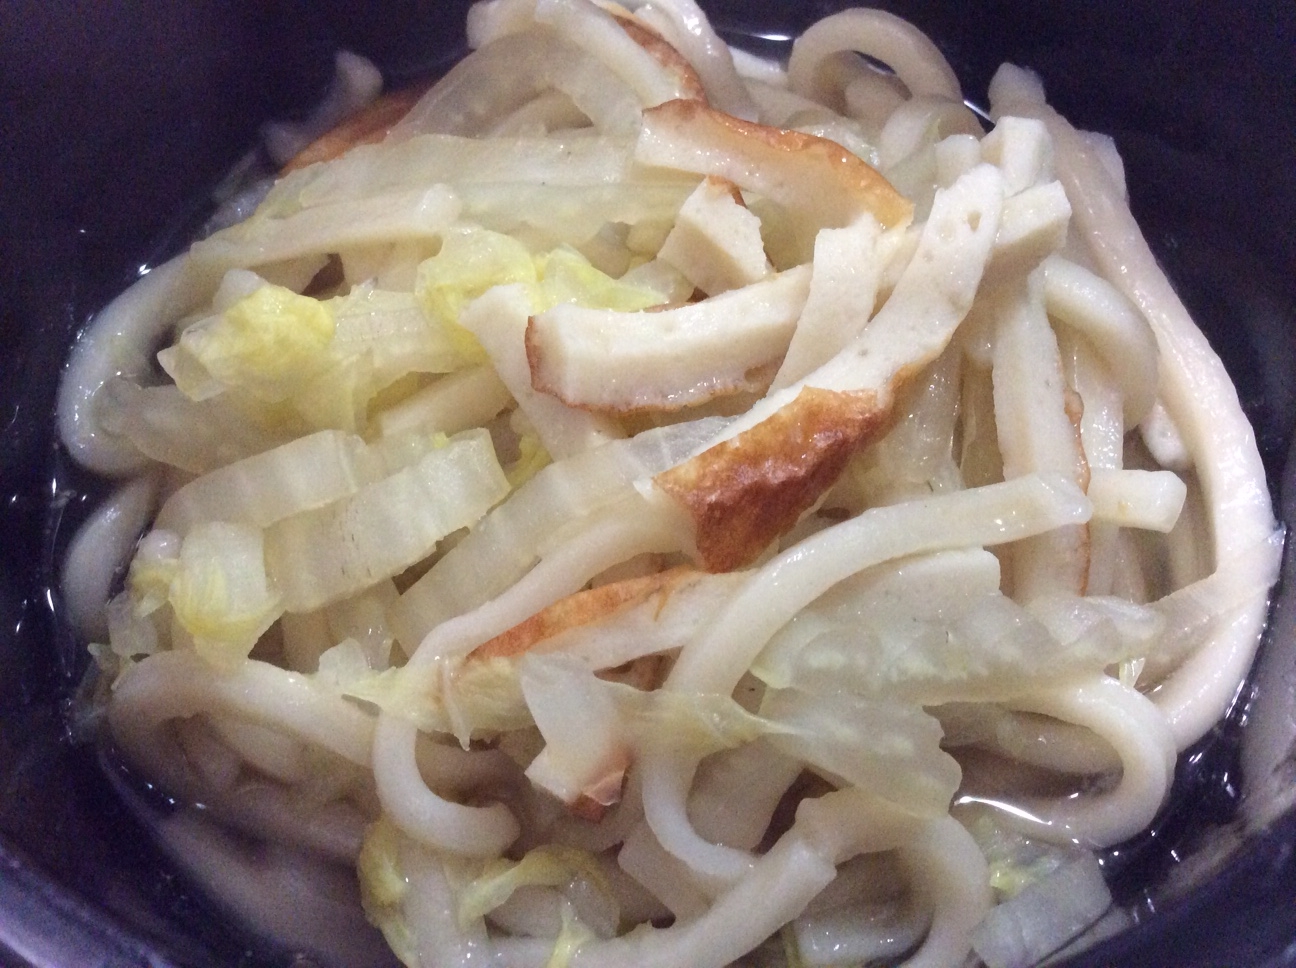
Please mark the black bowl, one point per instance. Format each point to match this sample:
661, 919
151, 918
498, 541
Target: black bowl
119, 119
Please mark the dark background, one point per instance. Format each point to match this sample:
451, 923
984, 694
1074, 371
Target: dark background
117, 119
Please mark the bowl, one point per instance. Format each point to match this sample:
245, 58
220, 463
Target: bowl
120, 121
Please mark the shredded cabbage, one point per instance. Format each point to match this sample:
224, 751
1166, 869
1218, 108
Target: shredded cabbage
221, 593
270, 343
383, 889
323, 555
571, 936
550, 866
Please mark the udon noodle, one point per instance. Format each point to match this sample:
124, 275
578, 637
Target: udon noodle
636, 504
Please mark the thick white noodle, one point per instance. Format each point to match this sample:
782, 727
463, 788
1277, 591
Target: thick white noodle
308, 904
1142, 738
1045, 743
487, 831
785, 879
880, 35
667, 779
598, 33
512, 70
912, 125
668, 879
689, 31
1196, 390
987, 516
278, 814
100, 549
761, 772
618, 534
180, 683
947, 867
118, 342
828, 831
1094, 307
439, 938
588, 27
419, 812
716, 660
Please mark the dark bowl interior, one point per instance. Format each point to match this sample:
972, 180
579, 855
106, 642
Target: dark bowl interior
119, 119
